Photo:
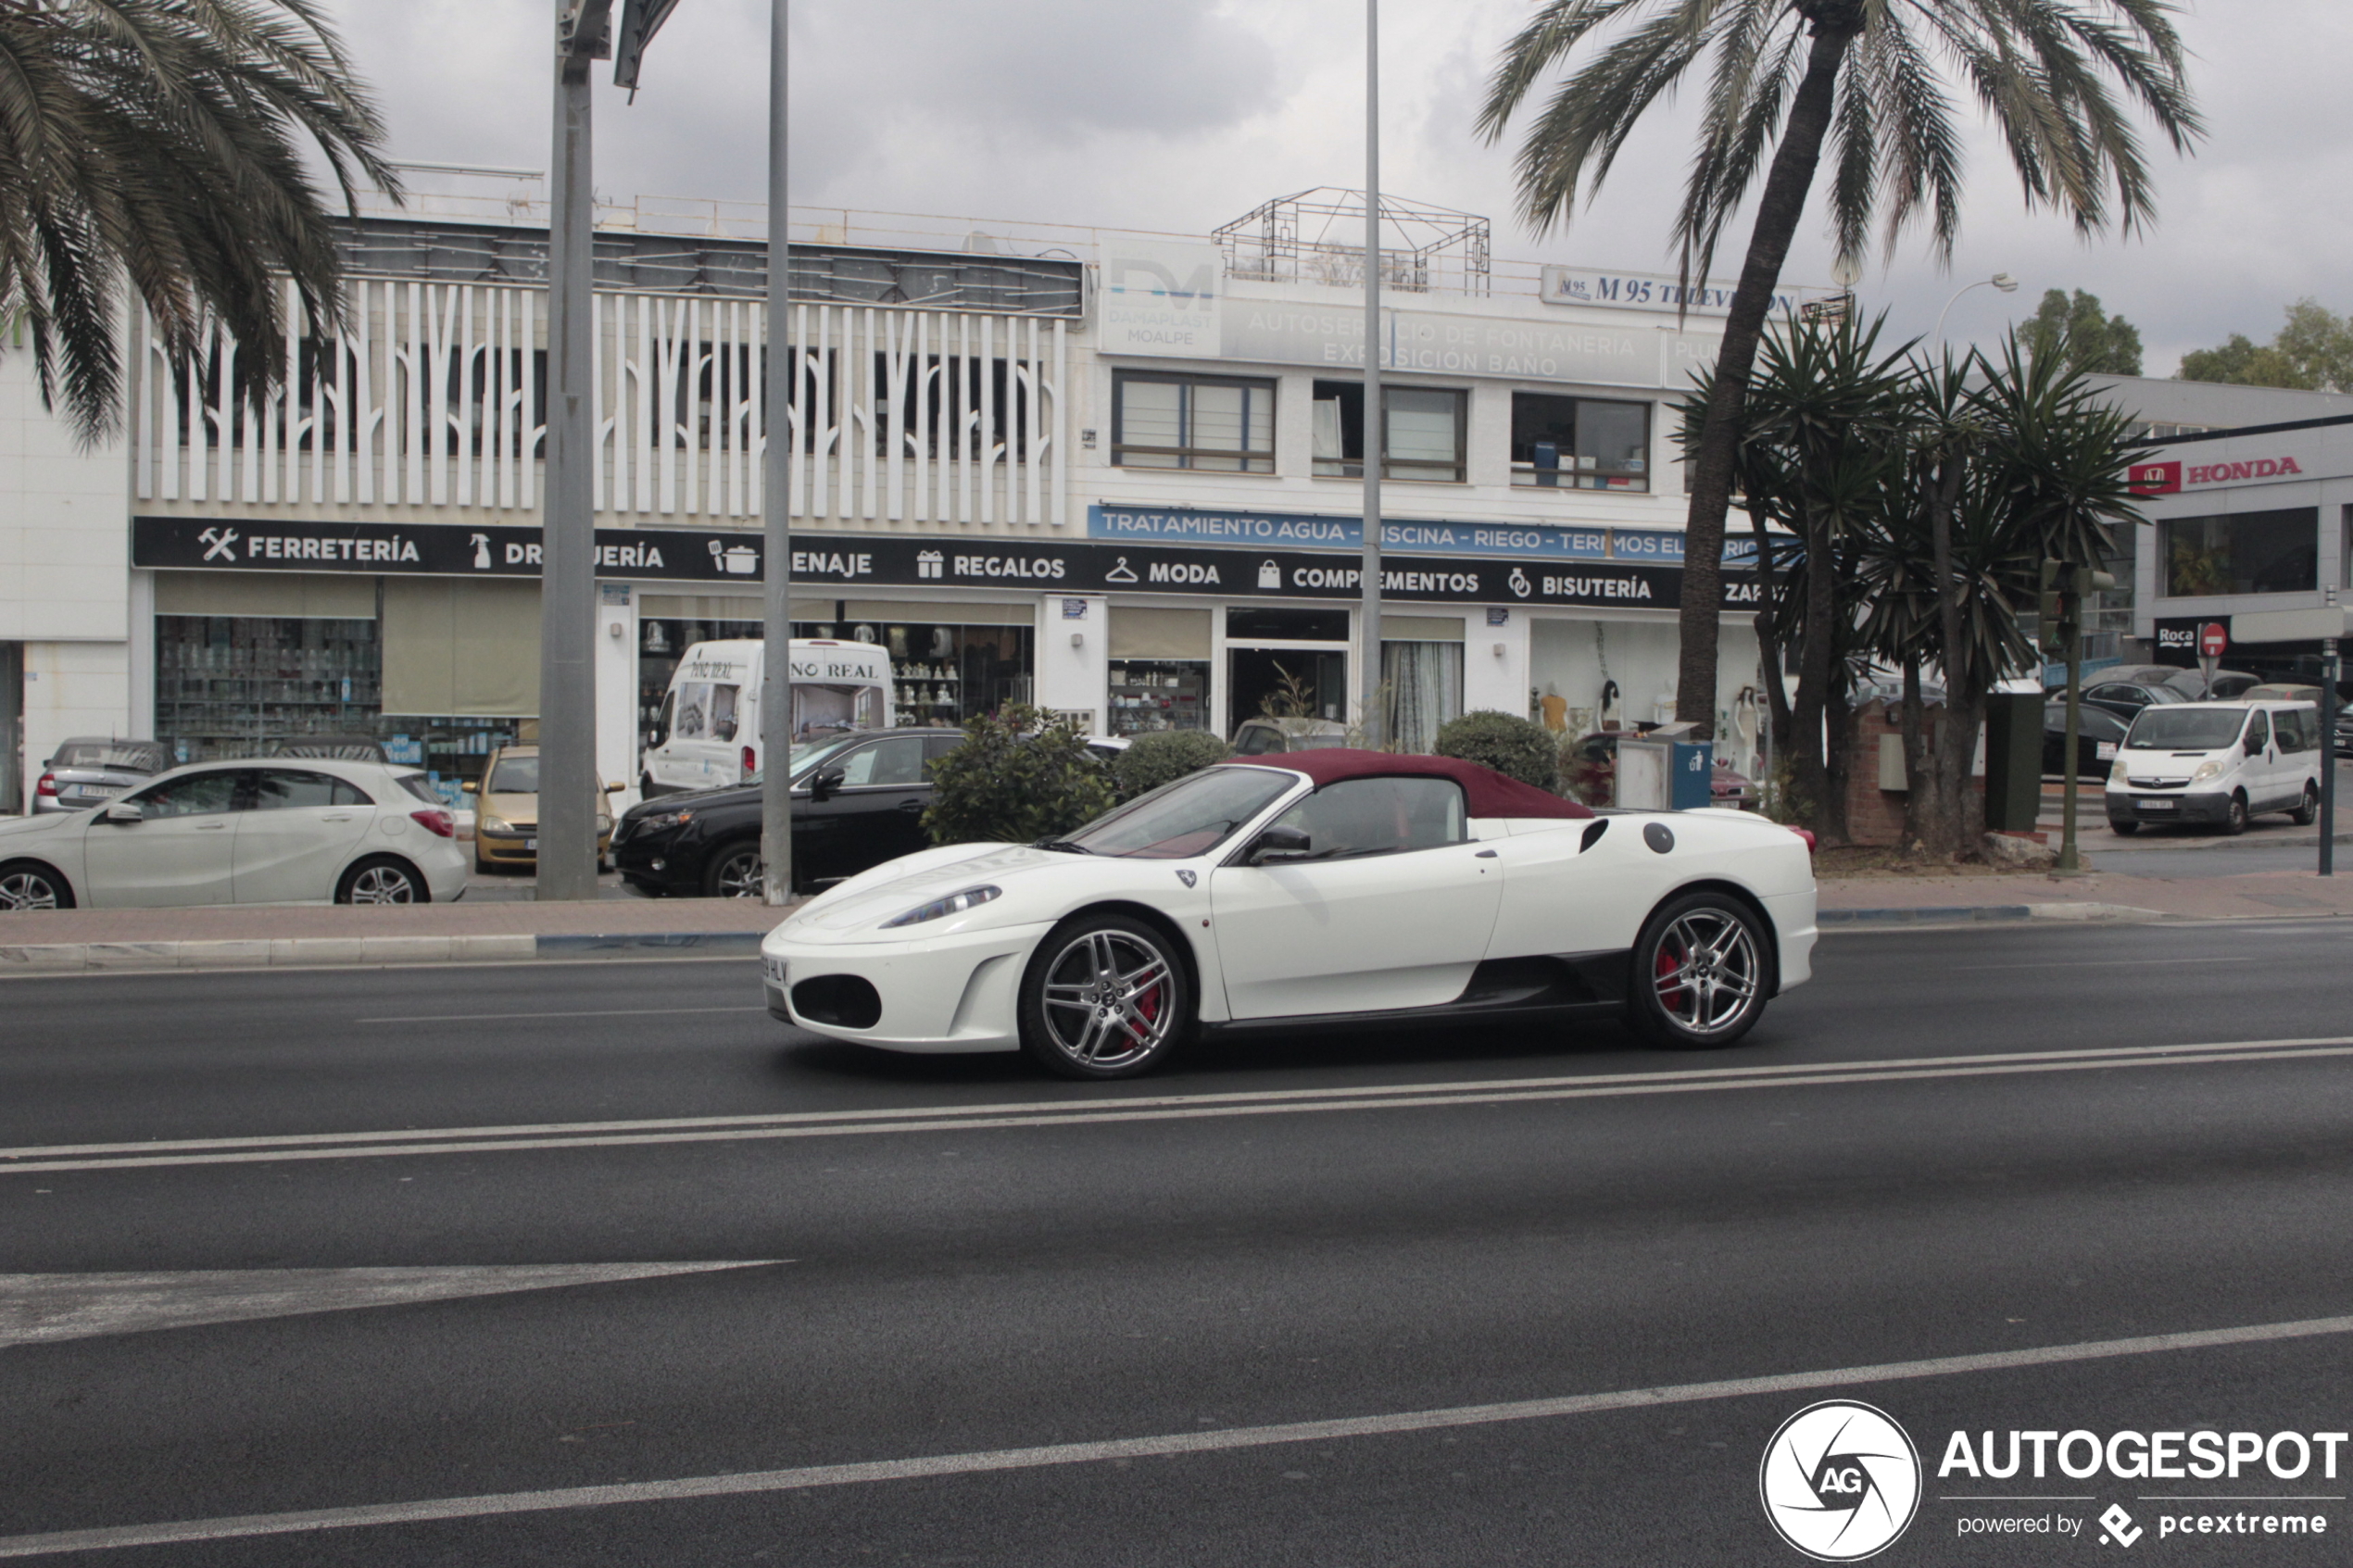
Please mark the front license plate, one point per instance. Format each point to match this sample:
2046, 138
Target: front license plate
2105, 751
2157, 805
532, 844
774, 968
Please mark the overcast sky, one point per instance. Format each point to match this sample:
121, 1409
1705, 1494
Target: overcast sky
1179, 115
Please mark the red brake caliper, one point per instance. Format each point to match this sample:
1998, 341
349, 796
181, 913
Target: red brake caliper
1669, 995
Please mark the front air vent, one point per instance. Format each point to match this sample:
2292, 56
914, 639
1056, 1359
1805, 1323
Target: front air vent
844, 1001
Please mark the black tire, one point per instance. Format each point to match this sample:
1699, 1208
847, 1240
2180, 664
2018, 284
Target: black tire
2308, 810
2234, 817
27, 886
2127, 828
1724, 939
382, 879
1104, 996
735, 871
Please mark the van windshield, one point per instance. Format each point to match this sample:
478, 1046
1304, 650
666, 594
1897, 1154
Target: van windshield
2176, 729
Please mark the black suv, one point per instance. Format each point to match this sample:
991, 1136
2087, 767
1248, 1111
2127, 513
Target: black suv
858, 800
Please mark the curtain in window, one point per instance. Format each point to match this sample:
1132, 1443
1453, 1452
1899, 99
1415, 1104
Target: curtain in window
1425, 687
1421, 430
1151, 414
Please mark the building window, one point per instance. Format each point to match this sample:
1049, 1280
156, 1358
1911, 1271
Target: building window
2275, 552
1579, 442
1424, 431
1217, 424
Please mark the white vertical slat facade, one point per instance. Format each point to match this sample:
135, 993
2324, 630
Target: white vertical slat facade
431, 400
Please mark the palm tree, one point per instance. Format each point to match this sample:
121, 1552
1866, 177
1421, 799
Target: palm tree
1875, 83
158, 145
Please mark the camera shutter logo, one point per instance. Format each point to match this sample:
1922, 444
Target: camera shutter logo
1841, 1481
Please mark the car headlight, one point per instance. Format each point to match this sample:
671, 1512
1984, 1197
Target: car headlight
493, 824
2206, 770
938, 908
661, 819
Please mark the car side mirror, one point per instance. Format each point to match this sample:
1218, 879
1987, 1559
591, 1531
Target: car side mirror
824, 784
470, 787
125, 812
615, 788
1280, 844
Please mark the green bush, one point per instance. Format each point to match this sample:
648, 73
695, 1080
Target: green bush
1019, 777
1153, 761
1513, 747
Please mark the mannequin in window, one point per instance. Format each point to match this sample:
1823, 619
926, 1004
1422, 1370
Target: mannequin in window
1556, 710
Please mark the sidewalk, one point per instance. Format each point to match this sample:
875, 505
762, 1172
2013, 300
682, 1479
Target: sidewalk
1922, 900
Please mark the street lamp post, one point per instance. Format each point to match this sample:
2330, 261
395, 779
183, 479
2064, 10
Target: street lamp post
775, 508
1375, 447
2001, 281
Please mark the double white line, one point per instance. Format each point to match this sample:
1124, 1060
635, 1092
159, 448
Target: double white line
408, 1142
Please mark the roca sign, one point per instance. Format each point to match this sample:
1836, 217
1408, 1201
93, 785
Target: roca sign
2173, 477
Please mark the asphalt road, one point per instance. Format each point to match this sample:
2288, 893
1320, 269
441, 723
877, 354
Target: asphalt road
1954, 1145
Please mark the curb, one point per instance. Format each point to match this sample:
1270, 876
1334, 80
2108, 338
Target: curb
1970, 914
317, 952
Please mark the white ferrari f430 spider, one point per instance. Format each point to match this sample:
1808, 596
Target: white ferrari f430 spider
1317, 888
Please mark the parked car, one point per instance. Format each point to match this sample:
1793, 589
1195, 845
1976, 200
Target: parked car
858, 801
2125, 698
2218, 763
242, 832
2228, 684
2098, 733
330, 749
506, 811
1098, 955
1264, 738
91, 769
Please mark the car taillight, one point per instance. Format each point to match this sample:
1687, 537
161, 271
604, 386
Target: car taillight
751, 763
47, 787
1807, 835
441, 824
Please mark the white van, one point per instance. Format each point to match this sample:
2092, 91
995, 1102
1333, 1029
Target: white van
708, 731
2219, 763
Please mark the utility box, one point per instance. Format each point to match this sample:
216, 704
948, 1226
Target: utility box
1643, 781
2013, 761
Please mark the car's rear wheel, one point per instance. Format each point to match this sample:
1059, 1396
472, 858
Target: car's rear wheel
383, 880
738, 870
1105, 997
29, 884
1699, 977
2234, 816
2308, 810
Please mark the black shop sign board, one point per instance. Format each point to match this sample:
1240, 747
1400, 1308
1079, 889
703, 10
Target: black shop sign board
851, 562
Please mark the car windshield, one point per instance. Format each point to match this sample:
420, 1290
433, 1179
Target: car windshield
2194, 729
515, 775
1191, 816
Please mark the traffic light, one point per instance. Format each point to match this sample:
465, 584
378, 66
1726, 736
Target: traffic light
2088, 581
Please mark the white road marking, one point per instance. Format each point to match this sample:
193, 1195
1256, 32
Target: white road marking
2080, 963
1099, 1110
42, 1308
591, 1012
1171, 1443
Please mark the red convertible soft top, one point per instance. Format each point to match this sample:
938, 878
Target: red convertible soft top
1489, 792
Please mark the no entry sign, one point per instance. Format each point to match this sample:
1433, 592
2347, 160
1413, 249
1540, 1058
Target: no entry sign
2212, 640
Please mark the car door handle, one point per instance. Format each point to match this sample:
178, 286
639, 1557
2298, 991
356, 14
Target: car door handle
338, 817
911, 805
1484, 855
210, 827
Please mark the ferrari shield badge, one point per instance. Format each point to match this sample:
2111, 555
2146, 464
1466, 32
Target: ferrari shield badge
1187, 878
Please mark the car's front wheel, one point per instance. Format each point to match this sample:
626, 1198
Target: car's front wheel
2234, 816
1699, 978
738, 870
29, 884
1105, 997
383, 881
2308, 810
2127, 828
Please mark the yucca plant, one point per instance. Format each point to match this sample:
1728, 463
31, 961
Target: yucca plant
155, 147
1874, 87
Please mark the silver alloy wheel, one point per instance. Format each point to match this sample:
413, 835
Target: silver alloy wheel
1109, 999
1706, 972
743, 874
382, 884
27, 890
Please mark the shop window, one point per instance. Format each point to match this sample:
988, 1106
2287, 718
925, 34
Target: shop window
1579, 442
1424, 686
1158, 693
1424, 431
1217, 425
944, 674
2273, 552
226, 685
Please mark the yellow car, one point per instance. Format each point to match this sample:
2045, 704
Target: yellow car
506, 811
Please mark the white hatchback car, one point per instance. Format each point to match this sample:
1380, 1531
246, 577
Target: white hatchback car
2216, 763
312, 831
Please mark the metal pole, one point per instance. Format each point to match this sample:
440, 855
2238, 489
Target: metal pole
2327, 756
569, 788
2067, 857
775, 508
1376, 426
